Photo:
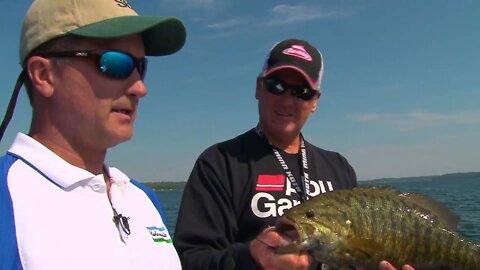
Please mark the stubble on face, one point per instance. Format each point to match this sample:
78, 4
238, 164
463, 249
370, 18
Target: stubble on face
91, 112
282, 117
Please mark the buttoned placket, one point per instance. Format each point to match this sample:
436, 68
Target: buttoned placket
97, 184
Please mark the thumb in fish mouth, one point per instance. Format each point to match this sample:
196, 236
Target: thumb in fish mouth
287, 230
273, 238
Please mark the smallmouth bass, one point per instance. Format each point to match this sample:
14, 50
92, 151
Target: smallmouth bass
365, 225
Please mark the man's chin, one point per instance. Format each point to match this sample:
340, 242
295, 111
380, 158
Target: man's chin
119, 138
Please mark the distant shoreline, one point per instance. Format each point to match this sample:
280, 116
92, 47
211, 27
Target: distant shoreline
164, 186
428, 178
180, 185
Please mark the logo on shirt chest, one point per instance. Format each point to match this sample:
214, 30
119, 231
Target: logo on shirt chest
159, 235
274, 194
267, 182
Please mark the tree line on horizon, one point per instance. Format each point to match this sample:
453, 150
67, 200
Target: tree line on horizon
180, 185
166, 185
432, 177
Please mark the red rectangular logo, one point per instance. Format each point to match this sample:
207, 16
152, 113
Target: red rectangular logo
268, 182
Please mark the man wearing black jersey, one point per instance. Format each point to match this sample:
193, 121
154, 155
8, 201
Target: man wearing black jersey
239, 187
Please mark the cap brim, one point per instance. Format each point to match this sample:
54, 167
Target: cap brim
161, 35
313, 84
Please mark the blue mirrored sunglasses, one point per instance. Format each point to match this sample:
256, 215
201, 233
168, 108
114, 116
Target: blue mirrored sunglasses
277, 87
115, 64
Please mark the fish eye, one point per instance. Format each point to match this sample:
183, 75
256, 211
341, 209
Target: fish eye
310, 214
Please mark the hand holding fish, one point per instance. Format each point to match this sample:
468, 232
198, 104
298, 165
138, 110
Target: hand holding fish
263, 252
384, 265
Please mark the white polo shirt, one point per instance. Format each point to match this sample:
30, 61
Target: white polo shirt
63, 219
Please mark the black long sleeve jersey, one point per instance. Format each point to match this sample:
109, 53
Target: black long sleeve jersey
236, 189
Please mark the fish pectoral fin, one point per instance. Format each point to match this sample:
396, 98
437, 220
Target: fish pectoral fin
363, 248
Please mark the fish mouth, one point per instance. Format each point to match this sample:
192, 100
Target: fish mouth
290, 229
296, 237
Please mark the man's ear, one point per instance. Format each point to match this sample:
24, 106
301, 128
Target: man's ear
315, 102
40, 70
257, 88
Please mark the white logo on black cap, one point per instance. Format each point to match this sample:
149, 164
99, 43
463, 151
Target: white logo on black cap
298, 51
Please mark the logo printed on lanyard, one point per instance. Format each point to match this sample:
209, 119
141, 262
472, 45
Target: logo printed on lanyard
302, 192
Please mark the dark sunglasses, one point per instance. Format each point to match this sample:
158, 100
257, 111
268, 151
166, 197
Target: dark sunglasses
114, 64
277, 87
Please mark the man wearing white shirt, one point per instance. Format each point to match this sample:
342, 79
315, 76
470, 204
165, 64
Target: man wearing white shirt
61, 206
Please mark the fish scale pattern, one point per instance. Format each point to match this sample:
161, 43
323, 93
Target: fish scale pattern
368, 224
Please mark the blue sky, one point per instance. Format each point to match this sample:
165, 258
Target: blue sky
400, 96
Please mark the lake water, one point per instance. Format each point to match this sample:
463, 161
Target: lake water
459, 194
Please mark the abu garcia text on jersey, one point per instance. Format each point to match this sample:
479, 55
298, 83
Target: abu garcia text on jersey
269, 204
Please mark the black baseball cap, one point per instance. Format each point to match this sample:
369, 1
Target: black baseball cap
298, 55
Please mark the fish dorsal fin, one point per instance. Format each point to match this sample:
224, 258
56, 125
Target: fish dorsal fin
425, 206
433, 210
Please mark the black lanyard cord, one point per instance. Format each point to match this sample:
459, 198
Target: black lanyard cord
303, 191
